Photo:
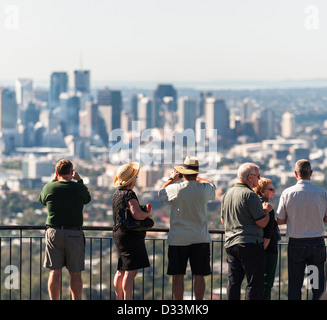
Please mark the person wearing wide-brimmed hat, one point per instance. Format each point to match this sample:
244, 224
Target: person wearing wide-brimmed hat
188, 237
132, 254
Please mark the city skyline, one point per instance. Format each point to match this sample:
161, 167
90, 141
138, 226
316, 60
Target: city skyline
171, 41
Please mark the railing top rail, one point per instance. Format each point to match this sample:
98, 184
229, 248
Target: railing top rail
89, 228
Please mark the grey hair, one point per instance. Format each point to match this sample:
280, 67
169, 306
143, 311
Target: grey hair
303, 168
245, 169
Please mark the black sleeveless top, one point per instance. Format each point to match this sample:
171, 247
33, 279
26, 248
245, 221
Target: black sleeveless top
119, 201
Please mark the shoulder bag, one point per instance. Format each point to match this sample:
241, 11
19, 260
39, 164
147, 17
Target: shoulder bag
127, 222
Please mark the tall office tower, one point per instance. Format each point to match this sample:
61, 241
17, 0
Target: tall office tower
269, 116
31, 114
104, 96
217, 117
24, 92
203, 97
134, 101
144, 111
107, 97
186, 113
105, 114
116, 103
58, 85
288, 125
82, 81
89, 120
8, 109
162, 91
246, 110
69, 114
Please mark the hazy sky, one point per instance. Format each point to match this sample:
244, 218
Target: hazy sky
166, 40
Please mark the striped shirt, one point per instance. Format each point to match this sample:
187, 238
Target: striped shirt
304, 207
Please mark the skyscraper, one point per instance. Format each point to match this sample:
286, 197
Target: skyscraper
8, 109
144, 111
113, 98
162, 91
58, 85
104, 96
186, 113
82, 81
89, 120
24, 92
288, 125
69, 113
217, 117
246, 110
116, 103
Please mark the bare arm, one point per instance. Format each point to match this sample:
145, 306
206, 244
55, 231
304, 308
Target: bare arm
264, 221
173, 178
265, 242
136, 211
281, 221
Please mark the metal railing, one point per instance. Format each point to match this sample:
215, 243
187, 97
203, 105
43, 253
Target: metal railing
23, 277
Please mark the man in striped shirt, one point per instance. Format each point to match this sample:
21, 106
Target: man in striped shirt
303, 208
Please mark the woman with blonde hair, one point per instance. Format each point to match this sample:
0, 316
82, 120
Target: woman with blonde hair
132, 254
266, 192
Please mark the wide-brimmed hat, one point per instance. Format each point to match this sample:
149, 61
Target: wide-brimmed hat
190, 166
126, 173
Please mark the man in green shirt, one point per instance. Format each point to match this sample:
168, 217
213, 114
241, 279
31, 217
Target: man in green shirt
244, 218
65, 242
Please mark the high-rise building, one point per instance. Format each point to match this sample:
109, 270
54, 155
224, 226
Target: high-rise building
24, 92
288, 125
105, 114
162, 91
113, 98
186, 113
8, 109
69, 113
58, 85
82, 81
203, 97
246, 110
104, 97
116, 103
269, 116
144, 111
89, 120
217, 117
133, 106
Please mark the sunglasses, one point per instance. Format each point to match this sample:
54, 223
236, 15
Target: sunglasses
256, 175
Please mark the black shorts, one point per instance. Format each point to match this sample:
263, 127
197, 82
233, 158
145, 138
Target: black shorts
198, 254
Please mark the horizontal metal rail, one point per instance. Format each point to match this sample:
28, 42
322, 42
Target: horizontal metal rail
23, 277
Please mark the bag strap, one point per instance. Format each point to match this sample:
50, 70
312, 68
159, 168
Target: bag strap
124, 199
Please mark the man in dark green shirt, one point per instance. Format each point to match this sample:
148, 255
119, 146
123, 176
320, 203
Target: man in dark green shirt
244, 218
65, 244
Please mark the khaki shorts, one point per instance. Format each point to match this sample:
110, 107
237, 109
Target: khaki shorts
64, 247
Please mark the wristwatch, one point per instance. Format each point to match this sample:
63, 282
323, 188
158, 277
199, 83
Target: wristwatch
171, 179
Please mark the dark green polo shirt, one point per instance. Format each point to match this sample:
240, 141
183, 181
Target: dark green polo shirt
65, 202
240, 208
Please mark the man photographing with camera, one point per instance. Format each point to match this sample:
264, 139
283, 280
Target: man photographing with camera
188, 237
65, 242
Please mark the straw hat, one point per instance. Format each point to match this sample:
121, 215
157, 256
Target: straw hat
126, 173
190, 166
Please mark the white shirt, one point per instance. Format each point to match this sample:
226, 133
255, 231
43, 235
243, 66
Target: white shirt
304, 207
188, 220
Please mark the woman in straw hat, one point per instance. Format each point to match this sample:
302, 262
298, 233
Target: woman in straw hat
132, 254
